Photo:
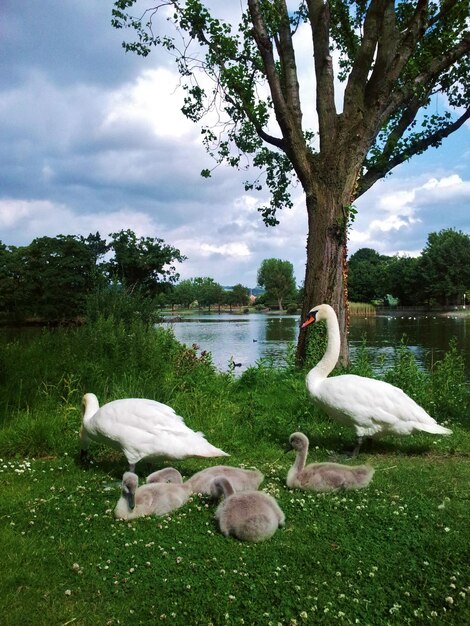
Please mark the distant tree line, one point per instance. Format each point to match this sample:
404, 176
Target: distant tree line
55, 279
439, 276
52, 277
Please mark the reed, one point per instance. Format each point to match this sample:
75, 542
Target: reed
361, 309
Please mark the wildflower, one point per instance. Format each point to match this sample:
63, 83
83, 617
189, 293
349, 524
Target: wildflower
68, 592
450, 600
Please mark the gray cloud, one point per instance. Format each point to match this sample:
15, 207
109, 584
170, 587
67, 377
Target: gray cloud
92, 139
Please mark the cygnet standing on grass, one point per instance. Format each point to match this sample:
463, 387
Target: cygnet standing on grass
149, 499
240, 479
247, 515
323, 476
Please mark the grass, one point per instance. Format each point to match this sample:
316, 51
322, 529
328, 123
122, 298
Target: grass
394, 553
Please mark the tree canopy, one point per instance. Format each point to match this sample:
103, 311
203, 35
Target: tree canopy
52, 277
440, 275
277, 277
393, 56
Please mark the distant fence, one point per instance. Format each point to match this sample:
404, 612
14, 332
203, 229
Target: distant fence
414, 310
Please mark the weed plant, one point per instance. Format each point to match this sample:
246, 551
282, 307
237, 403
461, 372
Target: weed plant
395, 553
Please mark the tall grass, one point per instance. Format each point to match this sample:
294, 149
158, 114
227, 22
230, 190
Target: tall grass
361, 309
396, 553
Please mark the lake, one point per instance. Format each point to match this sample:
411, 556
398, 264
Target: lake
246, 338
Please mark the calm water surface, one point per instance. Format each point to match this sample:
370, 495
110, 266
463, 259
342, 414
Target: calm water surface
250, 337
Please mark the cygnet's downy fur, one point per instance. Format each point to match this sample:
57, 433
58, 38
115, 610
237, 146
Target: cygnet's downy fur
323, 476
165, 475
247, 515
240, 479
154, 498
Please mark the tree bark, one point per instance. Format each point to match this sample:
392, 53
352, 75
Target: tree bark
326, 268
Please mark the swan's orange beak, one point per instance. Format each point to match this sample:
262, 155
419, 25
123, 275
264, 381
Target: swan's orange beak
309, 320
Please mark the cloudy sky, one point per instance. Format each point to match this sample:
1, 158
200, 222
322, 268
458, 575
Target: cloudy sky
92, 139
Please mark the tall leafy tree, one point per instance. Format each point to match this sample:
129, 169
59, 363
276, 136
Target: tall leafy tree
393, 56
146, 263
277, 277
367, 276
184, 292
207, 291
50, 278
240, 295
404, 279
445, 266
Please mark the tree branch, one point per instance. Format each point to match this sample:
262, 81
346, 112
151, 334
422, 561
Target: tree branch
434, 139
320, 25
354, 93
289, 67
265, 48
427, 77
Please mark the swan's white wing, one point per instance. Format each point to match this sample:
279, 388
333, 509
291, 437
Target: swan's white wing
145, 428
370, 405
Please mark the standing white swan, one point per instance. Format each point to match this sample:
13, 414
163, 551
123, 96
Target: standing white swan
372, 406
142, 429
323, 476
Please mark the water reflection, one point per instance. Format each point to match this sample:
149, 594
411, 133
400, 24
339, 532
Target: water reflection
249, 337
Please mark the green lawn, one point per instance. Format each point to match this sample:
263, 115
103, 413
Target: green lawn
395, 553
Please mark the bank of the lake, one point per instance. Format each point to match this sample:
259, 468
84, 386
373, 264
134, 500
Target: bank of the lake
245, 338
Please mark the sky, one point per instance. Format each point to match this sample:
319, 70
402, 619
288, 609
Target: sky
92, 139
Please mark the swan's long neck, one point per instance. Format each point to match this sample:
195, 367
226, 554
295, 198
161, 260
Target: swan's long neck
301, 458
90, 406
330, 358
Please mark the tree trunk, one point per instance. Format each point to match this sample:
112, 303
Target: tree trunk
326, 268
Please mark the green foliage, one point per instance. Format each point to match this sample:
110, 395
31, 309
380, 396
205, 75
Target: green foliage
50, 280
146, 263
406, 374
366, 276
277, 277
444, 266
121, 304
440, 275
450, 392
361, 365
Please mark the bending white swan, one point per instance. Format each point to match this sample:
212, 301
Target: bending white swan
373, 407
142, 429
323, 476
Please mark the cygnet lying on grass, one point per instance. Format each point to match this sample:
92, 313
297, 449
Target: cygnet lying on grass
240, 479
246, 515
165, 475
324, 476
150, 499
